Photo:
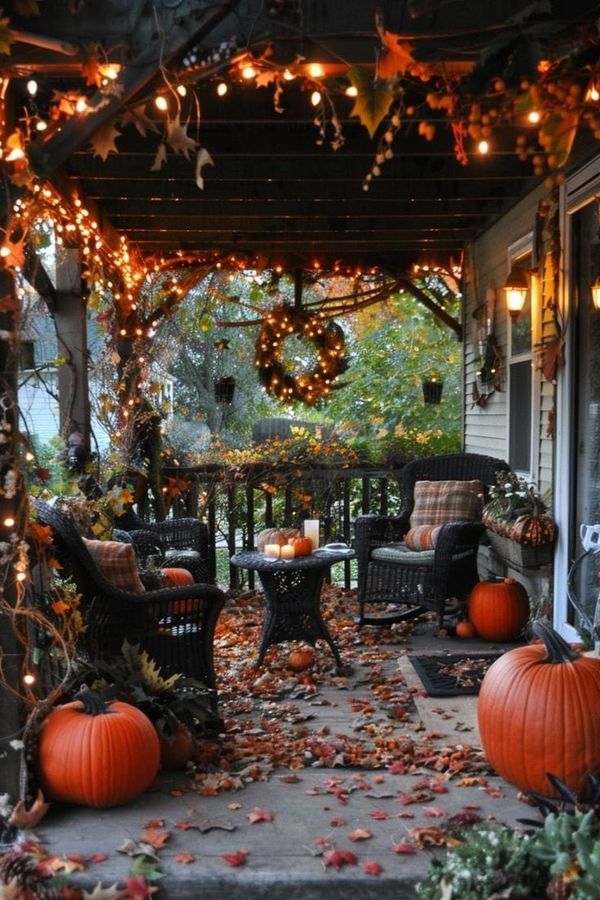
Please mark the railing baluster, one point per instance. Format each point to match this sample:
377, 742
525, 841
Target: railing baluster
231, 518
250, 526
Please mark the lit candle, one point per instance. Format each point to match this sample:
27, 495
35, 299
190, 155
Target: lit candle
311, 530
287, 552
272, 550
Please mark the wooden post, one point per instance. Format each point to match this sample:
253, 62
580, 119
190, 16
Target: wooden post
71, 331
11, 508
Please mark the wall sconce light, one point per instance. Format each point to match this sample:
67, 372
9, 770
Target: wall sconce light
516, 287
596, 293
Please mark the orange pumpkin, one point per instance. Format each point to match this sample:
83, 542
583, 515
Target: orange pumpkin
178, 576
499, 610
465, 630
96, 754
279, 536
175, 753
303, 546
539, 713
301, 658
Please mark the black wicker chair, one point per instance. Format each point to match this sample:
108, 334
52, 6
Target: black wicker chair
175, 625
181, 542
421, 581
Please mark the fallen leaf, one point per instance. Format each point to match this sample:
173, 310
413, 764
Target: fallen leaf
359, 834
185, 858
137, 888
235, 859
29, 818
338, 821
434, 812
112, 892
136, 848
379, 814
339, 858
97, 857
155, 823
259, 815
156, 839
371, 868
402, 847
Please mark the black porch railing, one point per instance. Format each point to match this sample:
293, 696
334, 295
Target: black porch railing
237, 503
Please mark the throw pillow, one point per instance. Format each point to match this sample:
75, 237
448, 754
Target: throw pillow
423, 537
117, 562
438, 502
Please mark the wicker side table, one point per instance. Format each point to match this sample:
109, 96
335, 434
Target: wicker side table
292, 591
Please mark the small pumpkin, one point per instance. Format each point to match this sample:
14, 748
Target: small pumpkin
301, 658
174, 753
96, 753
275, 536
539, 712
465, 630
303, 546
533, 530
499, 610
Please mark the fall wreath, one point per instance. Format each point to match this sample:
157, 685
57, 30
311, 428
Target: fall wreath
275, 375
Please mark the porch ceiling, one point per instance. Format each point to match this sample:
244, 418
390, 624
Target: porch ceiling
273, 190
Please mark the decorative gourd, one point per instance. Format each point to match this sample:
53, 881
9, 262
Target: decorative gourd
175, 753
275, 536
533, 530
539, 713
303, 546
301, 658
499, 610
465, 630
96, 754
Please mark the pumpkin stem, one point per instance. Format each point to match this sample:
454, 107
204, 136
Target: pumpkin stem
557, 649
93, 704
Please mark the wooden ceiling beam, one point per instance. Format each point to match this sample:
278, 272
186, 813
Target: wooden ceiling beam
187, 24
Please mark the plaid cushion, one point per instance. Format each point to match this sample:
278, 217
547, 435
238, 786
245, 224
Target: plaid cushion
117, 563
423, 537
438, 502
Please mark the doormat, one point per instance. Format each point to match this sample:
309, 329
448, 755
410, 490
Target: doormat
452, 674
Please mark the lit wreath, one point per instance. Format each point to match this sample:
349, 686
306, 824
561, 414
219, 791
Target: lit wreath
328, 339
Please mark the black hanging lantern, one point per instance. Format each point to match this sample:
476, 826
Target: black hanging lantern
225, 389
432, 391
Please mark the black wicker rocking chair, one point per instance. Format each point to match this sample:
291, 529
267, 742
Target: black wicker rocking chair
405, 585
175, 625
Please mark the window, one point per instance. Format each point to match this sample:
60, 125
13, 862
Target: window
520, 384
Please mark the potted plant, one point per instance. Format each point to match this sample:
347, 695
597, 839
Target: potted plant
181, 709
518, 526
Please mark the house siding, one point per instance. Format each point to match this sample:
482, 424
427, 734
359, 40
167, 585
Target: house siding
486, 427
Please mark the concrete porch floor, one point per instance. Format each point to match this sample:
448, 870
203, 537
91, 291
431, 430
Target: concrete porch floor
324, 805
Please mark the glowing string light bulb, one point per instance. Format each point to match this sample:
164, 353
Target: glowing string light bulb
161, 103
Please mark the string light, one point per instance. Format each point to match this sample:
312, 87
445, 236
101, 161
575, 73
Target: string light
315, 70
40, 125
9, 522
483, 147
222, 88
534, 117
81, 105
181, 90
315, 98
288, 75
248, 72
161, 103
28, 678
32, 87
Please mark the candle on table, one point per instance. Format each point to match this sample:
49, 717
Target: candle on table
272, 550
311, 530
287, 552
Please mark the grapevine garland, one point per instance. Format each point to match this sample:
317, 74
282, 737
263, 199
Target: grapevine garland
274, 375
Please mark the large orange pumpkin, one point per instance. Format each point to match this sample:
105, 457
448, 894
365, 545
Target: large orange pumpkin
96, 754
539, 713
499, 610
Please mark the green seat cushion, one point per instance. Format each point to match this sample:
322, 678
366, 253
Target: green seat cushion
400, 553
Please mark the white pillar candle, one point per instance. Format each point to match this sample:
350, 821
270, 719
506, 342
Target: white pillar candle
272, 550
287, 552
311, 530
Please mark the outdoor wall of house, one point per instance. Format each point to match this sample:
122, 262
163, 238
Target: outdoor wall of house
487, 425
